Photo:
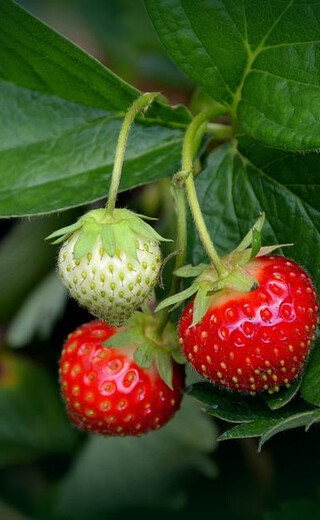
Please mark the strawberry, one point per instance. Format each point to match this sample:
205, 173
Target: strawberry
259, 339
110, 264
105, 389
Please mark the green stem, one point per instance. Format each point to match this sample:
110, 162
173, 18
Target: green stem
181, 246
219, 132
194, 133
143, 102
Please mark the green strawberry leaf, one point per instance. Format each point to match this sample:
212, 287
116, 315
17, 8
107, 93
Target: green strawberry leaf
268, 428
310, 386
294, 421
259, 70
71, 109
38, 314
284, 396
260, 178
230, 406
246, 430
255, 417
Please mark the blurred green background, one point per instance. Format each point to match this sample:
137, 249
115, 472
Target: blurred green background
47, 469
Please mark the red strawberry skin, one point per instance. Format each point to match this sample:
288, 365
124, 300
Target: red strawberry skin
257, 340
106, 392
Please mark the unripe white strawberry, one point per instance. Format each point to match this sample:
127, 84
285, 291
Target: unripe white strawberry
109, 264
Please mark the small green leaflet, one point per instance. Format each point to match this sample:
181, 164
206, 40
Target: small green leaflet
145, 354
126, 239
201, 303
87, 239
190, 271
121, 230
256, 242
164, 364
129, 336
63, 233
238, 280
248, 239
301, 419
177, 298
108, 240
284, 396
178, 356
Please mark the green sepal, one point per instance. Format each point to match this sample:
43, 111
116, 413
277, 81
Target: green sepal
161, 350
126, 240
146, 217
241, 258
177, 298
190, 271
164, 365
178, 356
146, 231
237, 280
108, 240
85, 242
121, 230
125, 337
256, 242
247, 240
201, 303
266, 250
145, 354
64, 232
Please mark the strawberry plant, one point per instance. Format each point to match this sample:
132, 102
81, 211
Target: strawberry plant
218, 280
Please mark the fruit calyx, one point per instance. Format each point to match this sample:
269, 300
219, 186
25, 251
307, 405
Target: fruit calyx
151, 348
236, 277
118, 232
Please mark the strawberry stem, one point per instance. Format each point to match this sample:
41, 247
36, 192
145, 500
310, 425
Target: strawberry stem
191, 144
181, 246
141, 104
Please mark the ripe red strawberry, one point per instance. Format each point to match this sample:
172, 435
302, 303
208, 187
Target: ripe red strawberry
257, 340
106, 392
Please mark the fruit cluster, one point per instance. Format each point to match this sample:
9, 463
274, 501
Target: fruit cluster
248, 329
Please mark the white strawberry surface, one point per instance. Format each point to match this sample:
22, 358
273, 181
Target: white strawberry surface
110, 287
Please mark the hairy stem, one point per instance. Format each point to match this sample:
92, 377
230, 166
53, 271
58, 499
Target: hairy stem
181, 246
140, 104
192, 140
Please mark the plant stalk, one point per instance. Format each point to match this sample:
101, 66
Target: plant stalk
192, 140
181, 246
141, 104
